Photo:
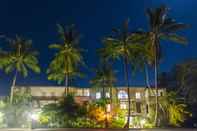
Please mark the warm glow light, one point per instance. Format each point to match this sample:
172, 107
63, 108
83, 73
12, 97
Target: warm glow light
142, 122
34, 116
98, 95
108, 107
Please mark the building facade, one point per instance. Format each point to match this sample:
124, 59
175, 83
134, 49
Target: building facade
140, 97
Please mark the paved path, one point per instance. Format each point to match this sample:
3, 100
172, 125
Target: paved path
69, 129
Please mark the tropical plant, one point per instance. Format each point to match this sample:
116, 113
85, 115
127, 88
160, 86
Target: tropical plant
96, 112
66, 61
16, 114
174, 109
162, 28
71, 108
19, 59
186, 75
50, 115
124, 45
105, 79
65, 113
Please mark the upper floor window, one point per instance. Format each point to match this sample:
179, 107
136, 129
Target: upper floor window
107, 95
98, 95
122, 95
86, 92
137, 95
79, 92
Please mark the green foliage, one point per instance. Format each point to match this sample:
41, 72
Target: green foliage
17, 113
20, 57
164, 26
174, 108
65, 113
119, 120
96, 112
122, 43
68, 56
71, 108
50, 115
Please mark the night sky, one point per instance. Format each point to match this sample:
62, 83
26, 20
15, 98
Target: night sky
94, 19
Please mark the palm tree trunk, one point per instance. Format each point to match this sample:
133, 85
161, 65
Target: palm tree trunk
156, 89
12, 87
103, 92
128, 91
66, 84
106, 118
147, 76
111, 99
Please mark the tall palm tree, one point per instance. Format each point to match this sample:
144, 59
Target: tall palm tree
162, 28
19, 59
122, 45
67, 58
105, 79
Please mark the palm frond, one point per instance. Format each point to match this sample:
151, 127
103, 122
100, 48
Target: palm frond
55, 46
174, 37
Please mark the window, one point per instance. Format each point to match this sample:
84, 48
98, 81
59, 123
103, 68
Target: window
122, 95
138, 107
86, 92
108, 107
123, 106
79, 92
137, 95
107, 95
98, 95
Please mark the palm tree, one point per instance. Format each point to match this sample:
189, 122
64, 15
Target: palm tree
105, 78
19, 59
185, 75
68, 57
162, 28
122, 45
174, 108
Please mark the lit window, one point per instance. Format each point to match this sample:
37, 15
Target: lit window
108, 107
79, 92
107, 95
86, 93
122, 95
137, 95
98, 95
123, 106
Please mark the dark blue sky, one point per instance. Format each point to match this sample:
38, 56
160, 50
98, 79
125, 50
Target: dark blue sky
37, 19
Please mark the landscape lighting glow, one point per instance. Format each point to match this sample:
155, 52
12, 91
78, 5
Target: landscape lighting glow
34, 116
